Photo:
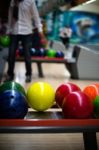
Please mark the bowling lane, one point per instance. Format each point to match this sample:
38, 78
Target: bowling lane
91, 47
55, 74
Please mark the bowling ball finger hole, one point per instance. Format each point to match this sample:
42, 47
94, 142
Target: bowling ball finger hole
12, 97
12, 109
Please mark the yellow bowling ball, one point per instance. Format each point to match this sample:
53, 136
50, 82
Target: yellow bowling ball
41, 96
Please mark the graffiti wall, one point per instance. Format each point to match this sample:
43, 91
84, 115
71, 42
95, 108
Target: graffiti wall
85, 26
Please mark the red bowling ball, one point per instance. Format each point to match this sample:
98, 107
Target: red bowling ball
17, 53
77, 105
63, 90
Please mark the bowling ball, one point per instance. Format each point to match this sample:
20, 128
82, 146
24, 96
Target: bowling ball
41, 52
51, 53
13, 105
17, 53
92, 91
21, 51
59, 54
77, 105
63, 90
96, 107
5, 40
12, 85
40, 96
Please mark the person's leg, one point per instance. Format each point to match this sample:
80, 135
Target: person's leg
11, 56
27, 44
67, 42
63, 40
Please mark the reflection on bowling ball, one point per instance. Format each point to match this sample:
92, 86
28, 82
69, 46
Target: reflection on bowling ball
77, 105
51, 53
59, 54
12, 85
40, 96
13, 105
4, 40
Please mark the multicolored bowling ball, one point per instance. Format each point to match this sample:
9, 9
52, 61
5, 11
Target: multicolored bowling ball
59, 54
96, 106
40, 96
91, 91
5, 40
12, 85
51, 53
63, 90
77, 105
13, 105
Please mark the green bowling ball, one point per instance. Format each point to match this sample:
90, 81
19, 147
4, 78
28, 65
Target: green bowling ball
51, 53
11, 85
4, 40
96, 106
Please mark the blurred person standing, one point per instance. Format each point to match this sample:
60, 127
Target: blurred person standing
21, 15
65, 35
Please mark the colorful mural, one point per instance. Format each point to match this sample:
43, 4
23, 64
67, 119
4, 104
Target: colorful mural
85, 26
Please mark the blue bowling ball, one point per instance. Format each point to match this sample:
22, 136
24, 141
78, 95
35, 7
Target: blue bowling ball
33, 52
13, 105
41, 52
59, 54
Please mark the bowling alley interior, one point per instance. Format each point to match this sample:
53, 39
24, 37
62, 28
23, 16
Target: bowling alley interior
57, 107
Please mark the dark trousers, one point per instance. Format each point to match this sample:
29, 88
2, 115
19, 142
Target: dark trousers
65, 41
27, 44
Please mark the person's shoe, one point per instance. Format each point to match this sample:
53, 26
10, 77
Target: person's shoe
9, 78
28, 78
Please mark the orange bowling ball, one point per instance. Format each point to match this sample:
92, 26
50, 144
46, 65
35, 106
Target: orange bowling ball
92, 91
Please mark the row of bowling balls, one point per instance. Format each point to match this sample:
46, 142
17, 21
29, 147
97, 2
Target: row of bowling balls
15, 101
74, 102
41, 52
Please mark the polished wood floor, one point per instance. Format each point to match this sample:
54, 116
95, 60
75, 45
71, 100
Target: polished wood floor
55, 74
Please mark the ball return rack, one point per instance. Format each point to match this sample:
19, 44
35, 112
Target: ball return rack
40, 60
52, 121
